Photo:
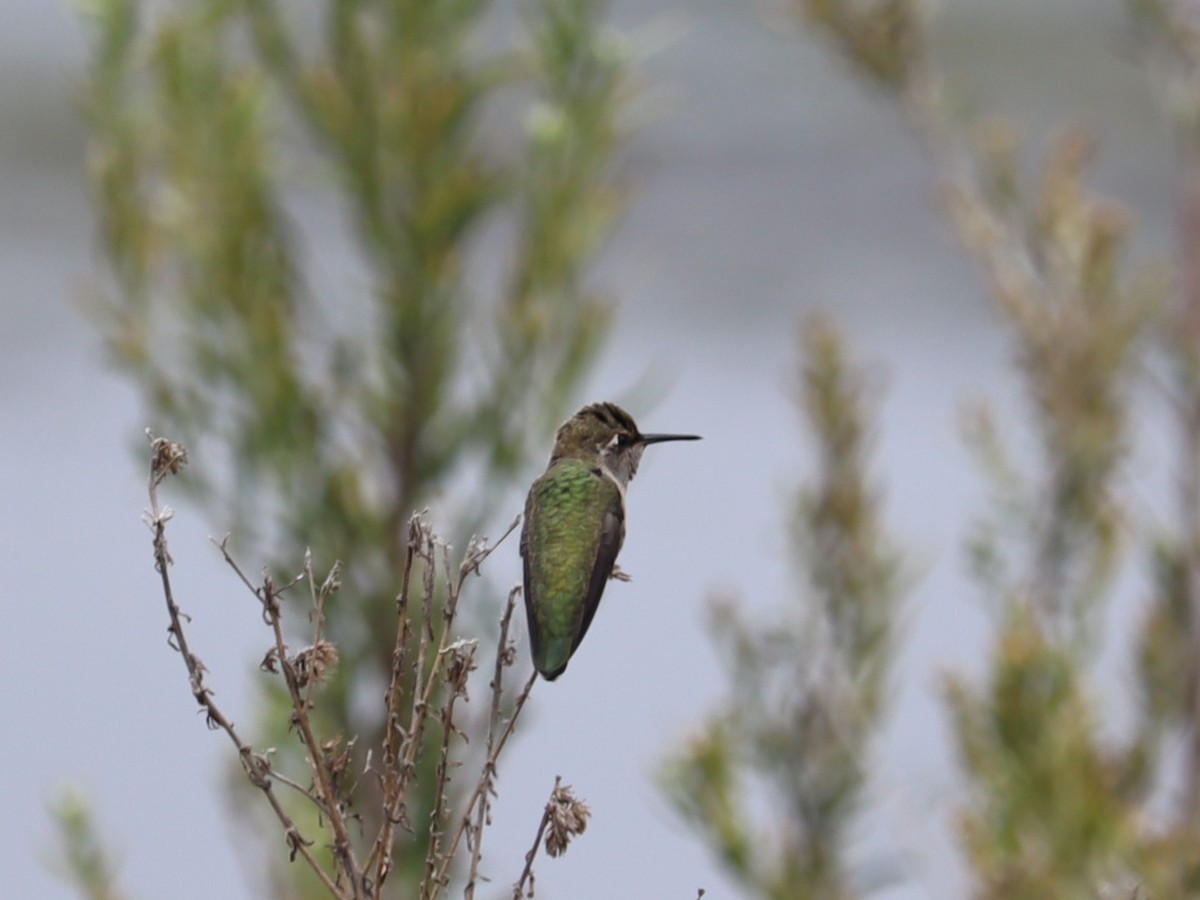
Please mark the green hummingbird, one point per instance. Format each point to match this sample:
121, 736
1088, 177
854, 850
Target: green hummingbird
575, 525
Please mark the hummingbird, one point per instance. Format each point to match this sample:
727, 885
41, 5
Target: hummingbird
575, 525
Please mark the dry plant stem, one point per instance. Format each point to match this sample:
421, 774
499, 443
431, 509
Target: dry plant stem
319, 595
401, 772
419, 691
438, 815
493, 719
527, 872
486, 778
269, 595
381, 851
401, 746
257, 766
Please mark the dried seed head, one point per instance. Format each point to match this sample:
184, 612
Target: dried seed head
461, 665
337, 754
568, 817
167, 458
508, 655
332, 581
313, 664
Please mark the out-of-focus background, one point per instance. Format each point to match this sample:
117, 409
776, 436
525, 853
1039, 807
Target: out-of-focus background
768, 184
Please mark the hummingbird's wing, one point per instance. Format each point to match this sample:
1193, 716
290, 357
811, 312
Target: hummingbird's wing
574, 526
612, 535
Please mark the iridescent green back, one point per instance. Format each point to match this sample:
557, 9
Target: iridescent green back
574, 526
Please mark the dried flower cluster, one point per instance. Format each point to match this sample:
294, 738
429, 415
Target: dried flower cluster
166, 457
314, 664
564, 817
568, 818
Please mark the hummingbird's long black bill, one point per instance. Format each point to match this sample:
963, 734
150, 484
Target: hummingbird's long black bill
662, 438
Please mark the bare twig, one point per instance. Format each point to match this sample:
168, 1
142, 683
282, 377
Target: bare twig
330, 802
380, 859
461, 665
486, 777
478, 551
503, 659
403, 745
527, 872
565, 817
319, 595
422, 544
168, 458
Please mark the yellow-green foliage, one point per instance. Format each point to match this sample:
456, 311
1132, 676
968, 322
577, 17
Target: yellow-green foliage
334, 415
1054, 804
807, 687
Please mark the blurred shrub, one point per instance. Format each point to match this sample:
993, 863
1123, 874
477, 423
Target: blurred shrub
214, 126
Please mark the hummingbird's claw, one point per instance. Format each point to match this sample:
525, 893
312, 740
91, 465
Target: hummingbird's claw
617, 575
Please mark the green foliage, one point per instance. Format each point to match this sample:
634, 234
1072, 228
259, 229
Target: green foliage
1053, 260
337, 416
1054, 815
83, 858
1055, 805
881, 38
1170, 644
808, 686
212, 123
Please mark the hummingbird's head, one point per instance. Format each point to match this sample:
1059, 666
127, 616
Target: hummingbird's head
606, 434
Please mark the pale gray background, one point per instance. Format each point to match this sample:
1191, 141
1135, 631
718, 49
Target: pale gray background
771, 184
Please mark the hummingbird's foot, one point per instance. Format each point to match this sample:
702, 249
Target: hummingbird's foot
617, 575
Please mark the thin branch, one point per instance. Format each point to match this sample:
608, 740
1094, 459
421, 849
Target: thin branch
380, 857
319, 595
487, 776
503, 658
400, 757
461, 666
269, 594
168, 458
527, 872
477, 552
421, 541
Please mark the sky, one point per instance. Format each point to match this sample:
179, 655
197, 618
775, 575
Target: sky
769, 185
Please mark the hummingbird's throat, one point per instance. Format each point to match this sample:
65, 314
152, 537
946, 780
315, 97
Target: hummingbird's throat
620, 464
